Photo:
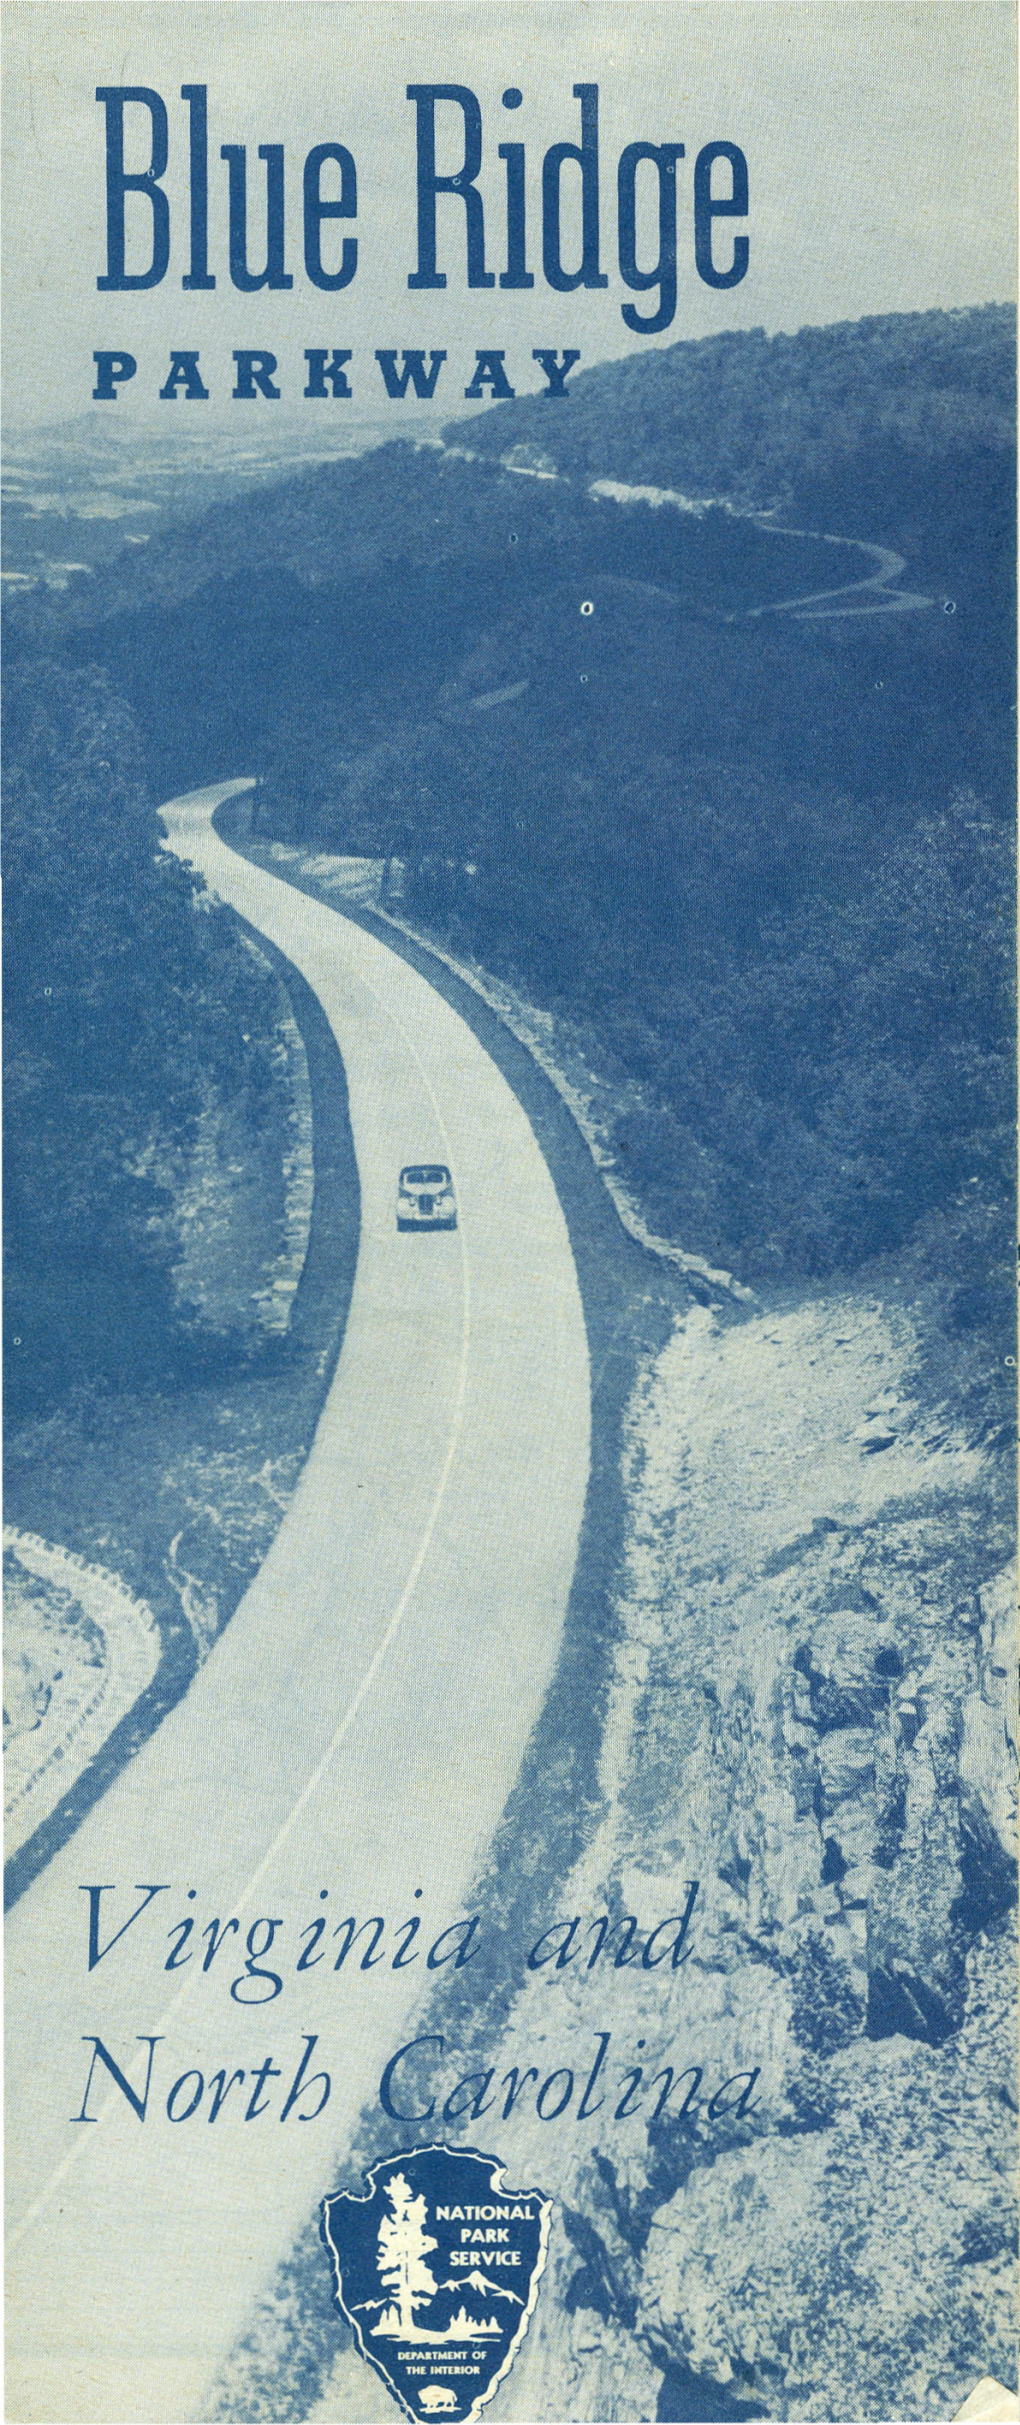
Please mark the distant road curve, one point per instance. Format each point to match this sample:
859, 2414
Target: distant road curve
350, 1744
817, 606
878, 588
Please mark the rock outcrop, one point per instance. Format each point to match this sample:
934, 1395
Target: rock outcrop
814, 1714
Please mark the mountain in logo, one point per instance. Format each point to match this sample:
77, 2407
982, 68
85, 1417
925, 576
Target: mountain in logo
489, 2290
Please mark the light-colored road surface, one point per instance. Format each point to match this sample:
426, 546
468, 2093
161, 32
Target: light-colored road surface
357, 1728
878, 590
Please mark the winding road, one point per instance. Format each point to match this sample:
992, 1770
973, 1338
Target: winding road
878, 589
356, 1729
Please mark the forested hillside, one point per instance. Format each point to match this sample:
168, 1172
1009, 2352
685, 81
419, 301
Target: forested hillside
784, 420
128, 1013
764, 853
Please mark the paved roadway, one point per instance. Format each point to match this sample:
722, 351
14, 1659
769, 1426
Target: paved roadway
882, 597
358, 1726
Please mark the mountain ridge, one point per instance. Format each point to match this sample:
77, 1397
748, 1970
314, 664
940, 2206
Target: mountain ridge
749, 416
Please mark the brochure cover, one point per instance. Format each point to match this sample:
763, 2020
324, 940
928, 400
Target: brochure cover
510, 1688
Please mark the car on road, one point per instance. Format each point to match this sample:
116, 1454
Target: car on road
425, 1197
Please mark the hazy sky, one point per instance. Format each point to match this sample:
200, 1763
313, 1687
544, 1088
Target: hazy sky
879, 141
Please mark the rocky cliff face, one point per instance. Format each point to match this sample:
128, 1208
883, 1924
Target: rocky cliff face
782, 2162
814, 1715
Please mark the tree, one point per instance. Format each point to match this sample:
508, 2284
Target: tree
132, 1006
404, 2244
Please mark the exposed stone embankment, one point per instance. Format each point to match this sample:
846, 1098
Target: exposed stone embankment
243, 1213
79, 1648
814, 1713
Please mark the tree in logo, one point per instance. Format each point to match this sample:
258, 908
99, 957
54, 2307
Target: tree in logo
404, 2245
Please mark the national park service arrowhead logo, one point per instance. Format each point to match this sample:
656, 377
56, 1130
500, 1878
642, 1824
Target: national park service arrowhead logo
437, 2270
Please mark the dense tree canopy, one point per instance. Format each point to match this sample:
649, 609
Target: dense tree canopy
765, 418
127, 1001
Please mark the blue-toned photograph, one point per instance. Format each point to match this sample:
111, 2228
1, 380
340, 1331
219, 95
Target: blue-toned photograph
510, 1676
